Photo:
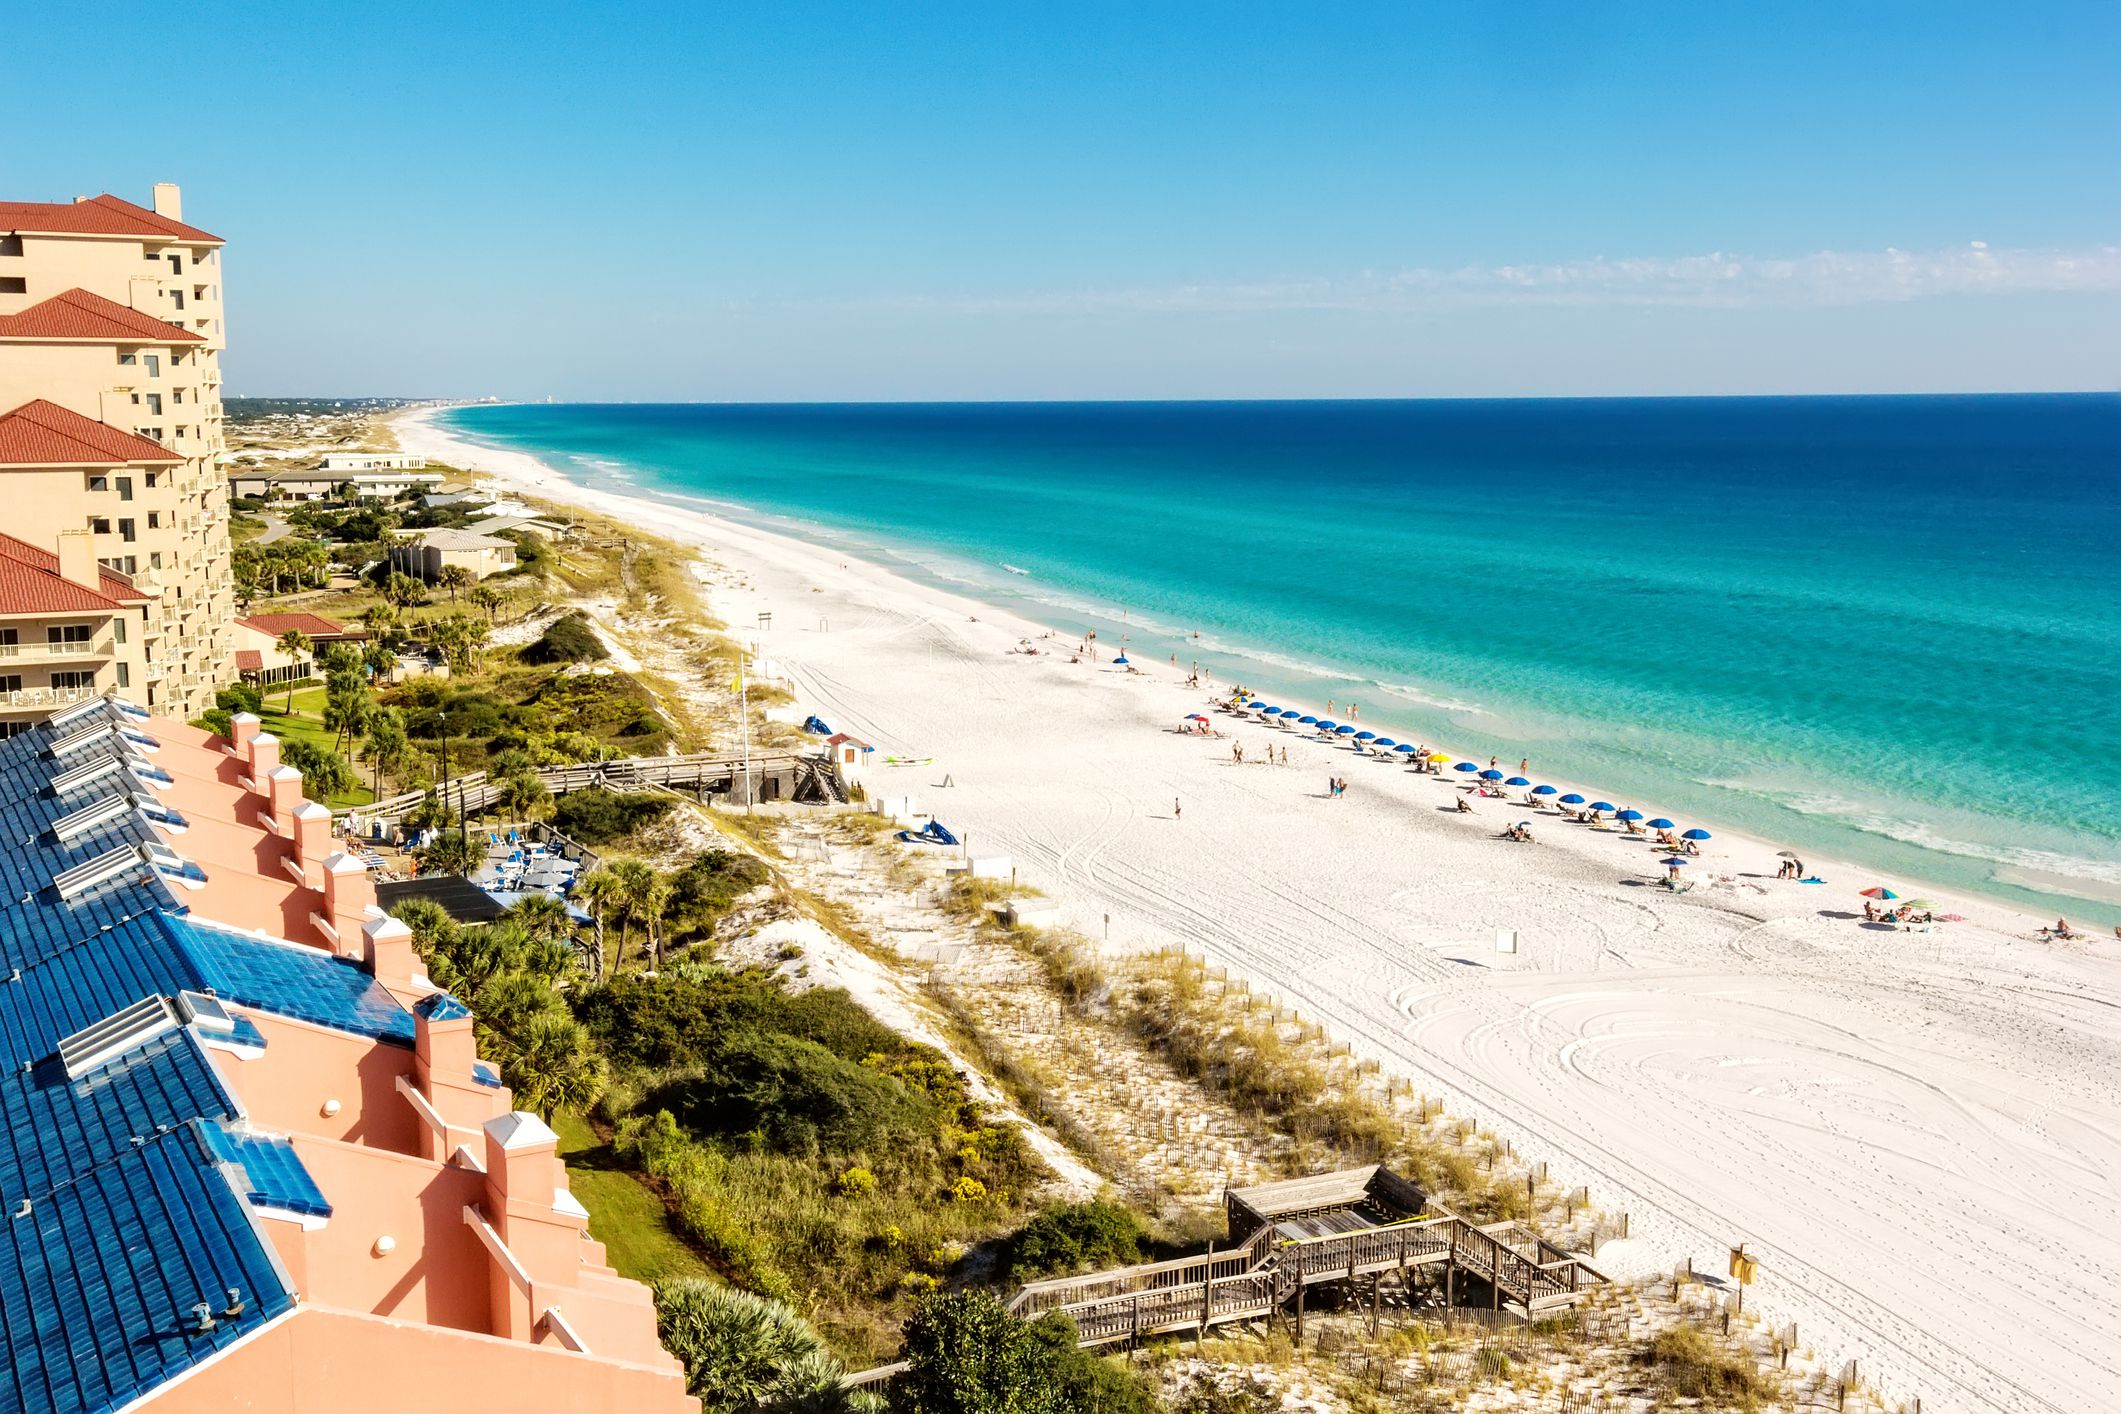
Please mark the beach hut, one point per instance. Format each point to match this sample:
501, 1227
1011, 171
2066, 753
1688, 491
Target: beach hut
850, 753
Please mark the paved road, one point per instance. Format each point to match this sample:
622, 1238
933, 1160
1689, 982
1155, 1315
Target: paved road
275, 529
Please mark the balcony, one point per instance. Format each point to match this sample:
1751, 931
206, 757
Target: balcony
54, 652
35, 698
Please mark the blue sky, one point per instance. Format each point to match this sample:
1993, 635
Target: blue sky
1117, 200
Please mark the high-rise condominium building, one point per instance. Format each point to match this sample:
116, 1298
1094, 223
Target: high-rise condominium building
110, 424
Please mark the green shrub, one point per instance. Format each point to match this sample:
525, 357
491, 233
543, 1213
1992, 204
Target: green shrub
1075, 1237
966, 1355
1692, 1365
599, 816
797, 1097
568, 639
740, 1352
1087, 1382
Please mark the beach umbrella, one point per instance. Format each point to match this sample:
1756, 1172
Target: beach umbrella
1629, 815
1491, 775
1517, 781
1326, 724
1660, 823
1196, 717
1785, 854
1697, 833
1307, 721
1542, 790
1263, 709
1674, 862
1465, 766
1344, 731
1366, 736
1385, 743
1122, 658
1920, 902
1878, 891
1572, 798
1439, 756
1410, 748
1601, 805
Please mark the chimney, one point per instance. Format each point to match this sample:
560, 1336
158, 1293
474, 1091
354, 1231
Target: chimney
77, 559
169, 201
522, 1159
283, 792
387, 953
349, 898
262, 754
312, 840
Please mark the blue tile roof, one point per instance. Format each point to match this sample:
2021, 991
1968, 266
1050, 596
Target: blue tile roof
53, 1130
273, 1175
292, 980
440, 1006
98, 1281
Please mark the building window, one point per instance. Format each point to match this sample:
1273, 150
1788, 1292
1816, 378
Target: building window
14, 729
154, 561
99, 524
73, 680
67, 633
154, 404
98, 482
117, 632
125, 530
13, 285
150, 252
154, 366
151, 479
10, 682
178, 296
176, 265
128, 360
125, 675
10, 245
125, 488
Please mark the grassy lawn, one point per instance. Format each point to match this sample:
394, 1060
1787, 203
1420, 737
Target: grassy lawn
626, 1216
307, 724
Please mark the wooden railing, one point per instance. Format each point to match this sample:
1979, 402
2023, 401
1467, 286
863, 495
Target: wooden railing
474, 791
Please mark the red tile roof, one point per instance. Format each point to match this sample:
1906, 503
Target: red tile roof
309, 625
77, 314
30, 583
45, 434
104, 215
249, 660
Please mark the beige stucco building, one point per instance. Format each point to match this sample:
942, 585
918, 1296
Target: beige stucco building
110, 418
69, 629
429, 553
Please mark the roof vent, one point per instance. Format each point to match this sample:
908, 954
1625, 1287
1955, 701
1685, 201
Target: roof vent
116, 1034
100, 870
80, 711
87, 775
67, 745
68, 827
206, 1013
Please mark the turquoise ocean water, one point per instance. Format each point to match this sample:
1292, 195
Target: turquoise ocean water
1885, 628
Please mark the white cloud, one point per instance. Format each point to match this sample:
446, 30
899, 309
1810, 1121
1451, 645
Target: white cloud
1716, 280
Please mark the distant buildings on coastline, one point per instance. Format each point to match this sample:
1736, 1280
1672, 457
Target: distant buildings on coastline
110, 430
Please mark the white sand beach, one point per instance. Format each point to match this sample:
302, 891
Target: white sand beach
1917, 1133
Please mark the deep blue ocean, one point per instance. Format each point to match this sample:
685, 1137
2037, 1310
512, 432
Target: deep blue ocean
1885, 627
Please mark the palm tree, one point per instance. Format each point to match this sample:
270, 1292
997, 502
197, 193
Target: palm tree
387, 743
453, 578
653, 900
601, 892
739, 1351
451, 852
633, 876
522, 795
555, 1064
486, 597
543, 918
293, 644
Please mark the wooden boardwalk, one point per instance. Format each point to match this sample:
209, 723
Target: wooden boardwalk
775, 775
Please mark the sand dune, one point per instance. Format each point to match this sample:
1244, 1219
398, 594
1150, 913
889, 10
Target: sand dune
1918, 1133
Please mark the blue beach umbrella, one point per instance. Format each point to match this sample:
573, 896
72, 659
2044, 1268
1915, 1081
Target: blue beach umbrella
1122, 658
1343, 731
1265, 711
1601, 805
1410, 748
1675, 862
1629, 815
1697, 833
1384, 743
1307, 721
1366, 736
1660, 823
1465, 766
1572, 798
1517, 781
1326, 724
1491, 775
1542, 790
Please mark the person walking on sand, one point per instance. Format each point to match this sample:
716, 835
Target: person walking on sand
1354, 712
1175, 814
1329, 706
1284, 754
1524, 767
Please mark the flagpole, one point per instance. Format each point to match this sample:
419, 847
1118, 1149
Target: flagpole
743, 697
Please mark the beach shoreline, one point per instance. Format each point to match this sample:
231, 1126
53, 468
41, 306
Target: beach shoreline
1727, 1064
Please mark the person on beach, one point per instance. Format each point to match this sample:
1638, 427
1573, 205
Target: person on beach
1354, 712
1174, 809
1237, 752
1465, 807
1524, 767
1284, 754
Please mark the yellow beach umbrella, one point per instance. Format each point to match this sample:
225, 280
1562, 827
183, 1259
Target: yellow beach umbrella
1439, 756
